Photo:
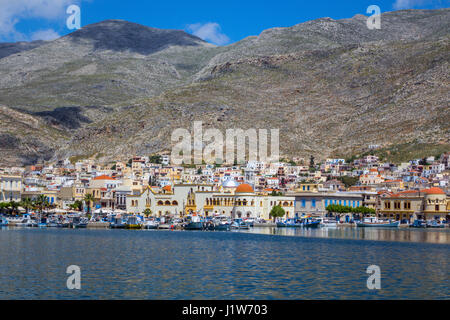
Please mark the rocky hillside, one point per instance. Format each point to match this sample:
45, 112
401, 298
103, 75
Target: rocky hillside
332, 87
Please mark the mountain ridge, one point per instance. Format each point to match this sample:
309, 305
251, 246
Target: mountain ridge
100, 92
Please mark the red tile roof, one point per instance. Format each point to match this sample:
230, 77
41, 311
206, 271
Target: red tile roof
103, 177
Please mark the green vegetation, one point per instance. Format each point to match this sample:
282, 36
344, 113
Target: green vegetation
337, 208
348, 181
277, 212
275, 193
156, 158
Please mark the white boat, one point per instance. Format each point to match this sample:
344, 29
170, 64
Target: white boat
375, 223
151, 224
3, 222
328, 223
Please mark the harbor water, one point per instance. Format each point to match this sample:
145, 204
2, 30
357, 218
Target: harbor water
263, 263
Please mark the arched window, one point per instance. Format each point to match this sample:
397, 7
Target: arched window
167, 203
160, 203
174, 203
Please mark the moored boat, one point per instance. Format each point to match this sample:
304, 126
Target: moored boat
133, 223
3, 222
151, 224
418, 224
239, 224
117, 223
194, 223
374, 223
435, 224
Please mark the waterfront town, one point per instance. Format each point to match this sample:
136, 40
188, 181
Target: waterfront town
151, 186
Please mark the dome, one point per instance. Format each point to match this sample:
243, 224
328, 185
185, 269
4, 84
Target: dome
244, 188
434, 190
229, 183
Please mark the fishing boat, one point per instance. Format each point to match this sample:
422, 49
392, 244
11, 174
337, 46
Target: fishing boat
26, 221
374, 223
52, 223
117, 223
250, 222
288, 223
133, 222
222, 227
3, 222
418, 224
328, 223
14, 221
306, 222
435, 224
42, 223
151, 224
79, 223
239, 224
194, 223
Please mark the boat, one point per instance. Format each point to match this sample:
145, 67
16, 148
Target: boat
117, 223
26, 221
42, 223
79, 223
374, 223
194, 223
306, 222
3, 222
435, 224
418, 224
151, 224
133, 222
239, 224
222, 227
250, 222
288, 223
328, 223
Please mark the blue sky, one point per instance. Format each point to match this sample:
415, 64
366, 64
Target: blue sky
219, 22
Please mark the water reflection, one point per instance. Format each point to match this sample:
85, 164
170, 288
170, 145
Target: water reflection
381, 234
147, 264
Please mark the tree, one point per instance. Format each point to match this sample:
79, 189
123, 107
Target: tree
88, 198
311, 161
77, 205
155, 158
423, 162
42, 202
277, 212
147, 212
3, 206
27, 204
348, 181
276, 193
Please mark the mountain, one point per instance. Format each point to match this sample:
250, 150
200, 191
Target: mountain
115, 88
7, 49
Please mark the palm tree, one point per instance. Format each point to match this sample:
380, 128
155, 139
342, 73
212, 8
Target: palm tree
3, 206
88, 198
14, 205
27, 204
42, 202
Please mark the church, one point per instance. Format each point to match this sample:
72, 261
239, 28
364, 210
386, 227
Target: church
230, 199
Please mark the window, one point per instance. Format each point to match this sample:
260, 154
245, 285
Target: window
313, 203
303, 203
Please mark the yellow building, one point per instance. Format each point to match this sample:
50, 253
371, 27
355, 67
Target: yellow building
428, 204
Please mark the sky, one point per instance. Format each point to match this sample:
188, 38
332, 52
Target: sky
218, 22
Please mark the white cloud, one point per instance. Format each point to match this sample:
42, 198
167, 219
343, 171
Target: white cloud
14, 11
410, 4
48, 34
210, 31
